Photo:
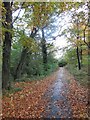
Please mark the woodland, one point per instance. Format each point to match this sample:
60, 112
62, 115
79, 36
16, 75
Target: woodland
27, 55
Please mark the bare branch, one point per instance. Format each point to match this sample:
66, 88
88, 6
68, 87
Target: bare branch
84, 38
18, 13
16, 17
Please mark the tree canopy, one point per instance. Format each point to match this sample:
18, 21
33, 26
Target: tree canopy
27, 28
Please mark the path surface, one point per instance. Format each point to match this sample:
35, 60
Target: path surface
58, 105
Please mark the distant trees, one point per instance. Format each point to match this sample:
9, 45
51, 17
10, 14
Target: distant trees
62, 63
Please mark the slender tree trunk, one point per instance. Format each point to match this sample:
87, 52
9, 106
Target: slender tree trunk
44, 50
23, 57
78, 58
77, 49
7, 47
81, 53
84, 36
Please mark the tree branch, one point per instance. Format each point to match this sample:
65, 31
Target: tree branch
84, 38
16, 16
18, 13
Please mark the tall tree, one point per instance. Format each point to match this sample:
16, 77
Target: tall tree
7, 39
89, 28
7, 45
77, 50
44, 50
23, 57
89, 43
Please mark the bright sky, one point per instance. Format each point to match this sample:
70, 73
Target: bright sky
60, 42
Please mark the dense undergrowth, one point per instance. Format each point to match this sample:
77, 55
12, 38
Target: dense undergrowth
13, 89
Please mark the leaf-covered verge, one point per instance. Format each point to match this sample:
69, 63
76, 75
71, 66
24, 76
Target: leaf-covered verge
79, 97
22, 104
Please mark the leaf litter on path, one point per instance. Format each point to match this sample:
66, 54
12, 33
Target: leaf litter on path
36, 96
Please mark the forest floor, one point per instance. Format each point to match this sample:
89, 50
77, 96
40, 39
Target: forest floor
57, 96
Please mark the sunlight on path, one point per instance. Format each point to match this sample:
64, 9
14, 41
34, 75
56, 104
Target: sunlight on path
58, 106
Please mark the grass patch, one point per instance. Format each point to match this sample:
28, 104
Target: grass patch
80, 75
28, 79
11, 91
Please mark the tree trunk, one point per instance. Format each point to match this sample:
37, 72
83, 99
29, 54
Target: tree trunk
20, 65
44, 50
77, 49
81, 53
23, 57
7, 47
78, 58
88, 47
89, 28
